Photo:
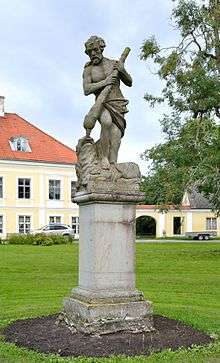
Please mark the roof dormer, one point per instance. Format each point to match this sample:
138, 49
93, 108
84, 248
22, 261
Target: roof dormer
19, 143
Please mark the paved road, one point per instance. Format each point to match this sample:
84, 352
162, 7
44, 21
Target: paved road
174, 241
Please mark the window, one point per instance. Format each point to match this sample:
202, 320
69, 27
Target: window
75, 224
1, 187
1, 224
54, 189
73, 189
211, 223
24, 188
54, 219
24, 224
20, 143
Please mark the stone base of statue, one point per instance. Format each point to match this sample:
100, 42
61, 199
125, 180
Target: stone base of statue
107, 316
106, 299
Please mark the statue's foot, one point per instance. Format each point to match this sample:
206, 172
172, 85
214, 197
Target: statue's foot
105, 164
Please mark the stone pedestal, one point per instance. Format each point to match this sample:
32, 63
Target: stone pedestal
106, 299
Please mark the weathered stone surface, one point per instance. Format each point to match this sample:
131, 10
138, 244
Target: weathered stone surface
108, 296
97, 193
105, 317
106, 246
102, 77
106, 299
129, 170
90, 170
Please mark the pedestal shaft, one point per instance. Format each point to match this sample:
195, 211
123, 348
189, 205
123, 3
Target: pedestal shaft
106, 252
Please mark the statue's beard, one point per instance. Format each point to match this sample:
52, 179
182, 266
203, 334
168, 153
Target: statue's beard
96, 60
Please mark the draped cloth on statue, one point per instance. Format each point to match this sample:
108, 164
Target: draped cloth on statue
117, 108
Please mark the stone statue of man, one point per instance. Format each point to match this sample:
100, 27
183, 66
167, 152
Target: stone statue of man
102, 77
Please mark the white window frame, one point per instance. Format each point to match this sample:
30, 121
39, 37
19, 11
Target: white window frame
24, 177
211, 223
23, 141
55, 217
18, 224
4, 217
75, 225
60, 189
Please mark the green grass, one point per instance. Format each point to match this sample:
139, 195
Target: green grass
182, 280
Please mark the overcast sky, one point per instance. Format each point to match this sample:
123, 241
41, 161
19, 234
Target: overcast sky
42, 59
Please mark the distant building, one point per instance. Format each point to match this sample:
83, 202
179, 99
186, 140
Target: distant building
195, 215
37, 177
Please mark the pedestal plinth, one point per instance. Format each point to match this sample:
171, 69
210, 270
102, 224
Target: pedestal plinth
106, 299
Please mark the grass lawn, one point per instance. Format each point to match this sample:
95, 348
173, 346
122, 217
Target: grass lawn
182, 280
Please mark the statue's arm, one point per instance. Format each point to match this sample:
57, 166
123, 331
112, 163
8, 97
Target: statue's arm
90, 87
125, 77
123, 74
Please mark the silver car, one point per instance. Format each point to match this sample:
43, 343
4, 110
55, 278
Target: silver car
55, 228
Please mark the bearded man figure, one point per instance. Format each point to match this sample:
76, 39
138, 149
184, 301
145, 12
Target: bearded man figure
102, 77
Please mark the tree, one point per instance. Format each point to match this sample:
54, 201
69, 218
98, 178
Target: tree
190, 72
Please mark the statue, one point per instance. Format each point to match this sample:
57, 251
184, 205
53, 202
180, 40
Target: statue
97, 161
102, 77
106, 299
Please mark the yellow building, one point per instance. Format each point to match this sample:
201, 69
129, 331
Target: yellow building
37, 177
194, 217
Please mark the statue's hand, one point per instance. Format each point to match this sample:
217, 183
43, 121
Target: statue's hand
119, 66
111, 79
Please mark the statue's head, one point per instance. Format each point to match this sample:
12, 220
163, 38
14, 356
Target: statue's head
94, 49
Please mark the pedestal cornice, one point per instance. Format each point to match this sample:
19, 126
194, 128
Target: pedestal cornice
110, 192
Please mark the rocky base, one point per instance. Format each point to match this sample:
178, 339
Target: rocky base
92, 167
107, 317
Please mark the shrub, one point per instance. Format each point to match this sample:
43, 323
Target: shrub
59, 239
20, 239
38, 239
42, 240
45, 240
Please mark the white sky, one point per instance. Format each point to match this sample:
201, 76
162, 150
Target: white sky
42, 59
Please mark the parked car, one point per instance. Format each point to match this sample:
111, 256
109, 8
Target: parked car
201, 235
55, 228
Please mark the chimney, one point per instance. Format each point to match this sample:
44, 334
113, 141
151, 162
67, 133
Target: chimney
2, 106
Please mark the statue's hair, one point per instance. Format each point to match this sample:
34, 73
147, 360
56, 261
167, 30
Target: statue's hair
94, 40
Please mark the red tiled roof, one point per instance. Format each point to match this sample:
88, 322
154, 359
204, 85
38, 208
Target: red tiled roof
44, 148
152, 206
146, 206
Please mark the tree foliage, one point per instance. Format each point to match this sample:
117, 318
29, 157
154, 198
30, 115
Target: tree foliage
190, 73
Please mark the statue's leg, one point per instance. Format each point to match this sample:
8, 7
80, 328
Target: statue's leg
115, 135
106, 123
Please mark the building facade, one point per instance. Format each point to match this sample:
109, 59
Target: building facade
34, 194
195, 215
37, 178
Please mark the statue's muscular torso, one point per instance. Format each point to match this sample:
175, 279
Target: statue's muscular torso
100, 72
